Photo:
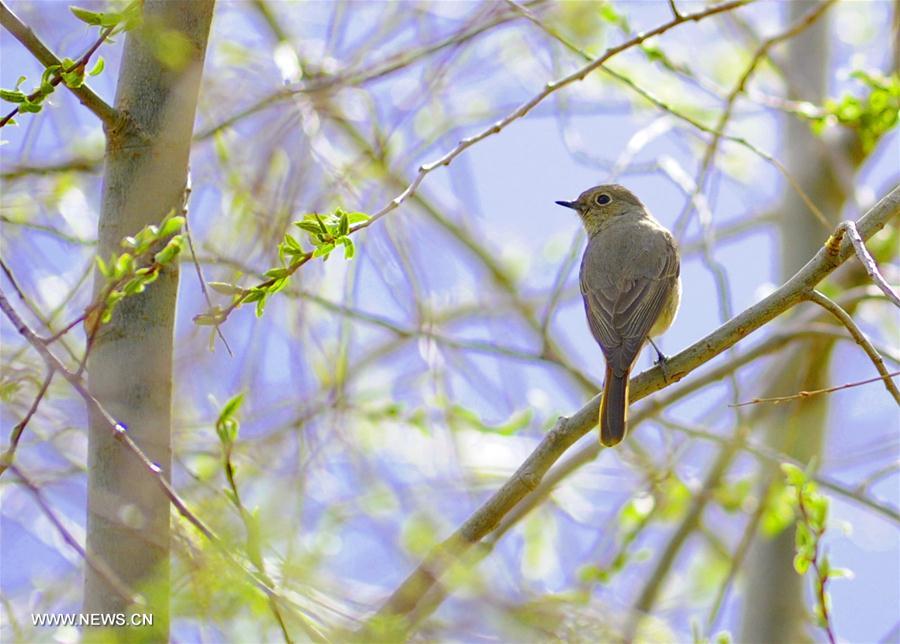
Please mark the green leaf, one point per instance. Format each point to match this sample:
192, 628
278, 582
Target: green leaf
349, 248
308, 226
30, 107
803, 539
278, 285
124, 265
255, 295
636, 511
149, 272
818, 511
801, 564
794, 475
260, 306
131, 17
205, 319
171, 226
170, 252
841, 573
134, 286
291, 242
324, 249
90, 17
344, 225
225, 288
111, 19
321, 223
227, 431
47, 76
723, 637
278, 272
98, 67
609, 14
231, 406
357, 217
102, 267
733, 496
675, 498
12, 96
74, 79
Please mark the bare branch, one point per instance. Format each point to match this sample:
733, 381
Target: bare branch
6, 458
709, 157
868, 262
845, 319
91, 560
816, 392
121, 434
578, 75
485, 519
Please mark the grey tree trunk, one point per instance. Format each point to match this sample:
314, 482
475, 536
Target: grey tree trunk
775, 606
130, 365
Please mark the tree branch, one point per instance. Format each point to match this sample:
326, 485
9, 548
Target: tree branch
121, 434
568, 430
869, 263
99, 565
11, 22
845, 319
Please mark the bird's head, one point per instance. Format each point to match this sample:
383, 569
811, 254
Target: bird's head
599, 204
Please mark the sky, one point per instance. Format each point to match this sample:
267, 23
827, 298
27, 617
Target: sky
502, 191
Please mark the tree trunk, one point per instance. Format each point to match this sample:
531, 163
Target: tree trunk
130, 365
775, 608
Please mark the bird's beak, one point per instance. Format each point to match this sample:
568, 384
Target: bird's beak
569, 204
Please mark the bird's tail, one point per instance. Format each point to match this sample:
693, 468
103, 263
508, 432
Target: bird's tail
613, 408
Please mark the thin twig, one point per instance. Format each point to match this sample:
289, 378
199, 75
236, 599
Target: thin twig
378, 71
6, 458
771, 456
868, 262
709, 157
821, 579
190, 239
717, 132
91, 560
121, 434
815, 392
11, 22
219, 316
861, 339
674, 9
578, 75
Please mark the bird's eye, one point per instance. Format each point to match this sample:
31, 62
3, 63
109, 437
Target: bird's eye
602, 199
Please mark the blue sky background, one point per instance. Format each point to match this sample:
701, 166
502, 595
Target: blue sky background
502, 191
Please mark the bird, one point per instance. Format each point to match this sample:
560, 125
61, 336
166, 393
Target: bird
631, 286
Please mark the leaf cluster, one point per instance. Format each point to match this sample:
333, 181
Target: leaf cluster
871, 115
812, 510
71, 72
132, 271
117, 21
324, 233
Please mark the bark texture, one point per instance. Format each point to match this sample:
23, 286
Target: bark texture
775, 608
130, 365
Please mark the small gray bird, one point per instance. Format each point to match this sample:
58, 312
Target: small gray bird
631, 289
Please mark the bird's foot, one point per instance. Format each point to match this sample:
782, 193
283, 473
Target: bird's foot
662, 360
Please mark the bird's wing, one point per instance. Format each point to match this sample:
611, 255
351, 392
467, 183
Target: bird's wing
622, 303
